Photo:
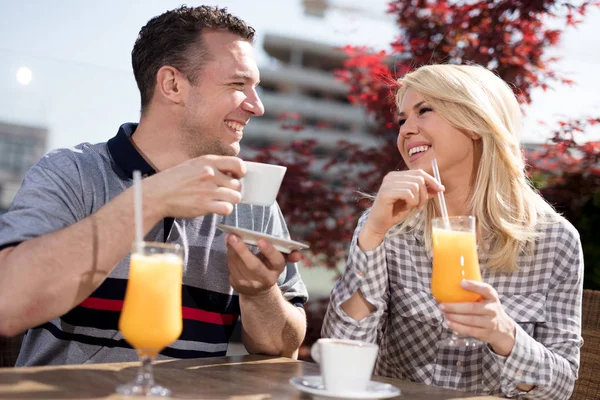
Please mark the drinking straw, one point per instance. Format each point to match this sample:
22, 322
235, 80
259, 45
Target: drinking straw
137, 207
441, 199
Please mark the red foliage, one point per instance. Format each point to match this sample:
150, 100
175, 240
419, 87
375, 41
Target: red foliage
319, 197
507, 36
563, 156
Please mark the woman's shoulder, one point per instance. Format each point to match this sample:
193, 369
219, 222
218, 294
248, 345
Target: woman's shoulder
559, 248
559, 244
556, 229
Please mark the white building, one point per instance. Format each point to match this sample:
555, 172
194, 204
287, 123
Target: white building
298, 87
20, 147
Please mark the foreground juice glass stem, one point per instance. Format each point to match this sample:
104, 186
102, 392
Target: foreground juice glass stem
151, 317
454, 260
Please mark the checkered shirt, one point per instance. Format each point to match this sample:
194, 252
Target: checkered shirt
543, 298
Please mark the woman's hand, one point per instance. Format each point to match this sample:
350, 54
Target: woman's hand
485, 320
400, 192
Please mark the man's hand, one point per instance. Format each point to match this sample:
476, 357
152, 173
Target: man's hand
204, 185
271, 325
254, 275
485, 320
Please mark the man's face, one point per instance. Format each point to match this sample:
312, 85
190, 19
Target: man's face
223, 98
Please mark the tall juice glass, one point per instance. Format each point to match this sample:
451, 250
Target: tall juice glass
151, 316
454, 259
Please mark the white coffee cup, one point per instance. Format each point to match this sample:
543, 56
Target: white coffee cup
261, 183
346, 365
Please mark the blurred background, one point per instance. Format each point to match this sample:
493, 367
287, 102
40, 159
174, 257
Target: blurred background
66, 78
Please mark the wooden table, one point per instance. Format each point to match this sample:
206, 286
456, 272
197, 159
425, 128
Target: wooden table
234, 378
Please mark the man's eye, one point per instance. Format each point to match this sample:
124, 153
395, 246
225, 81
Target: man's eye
239, 84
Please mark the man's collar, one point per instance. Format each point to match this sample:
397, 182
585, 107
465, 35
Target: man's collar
124, 153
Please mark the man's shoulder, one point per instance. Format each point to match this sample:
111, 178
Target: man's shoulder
81, 155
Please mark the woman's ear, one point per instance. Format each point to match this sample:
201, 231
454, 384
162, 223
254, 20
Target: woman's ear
474, 136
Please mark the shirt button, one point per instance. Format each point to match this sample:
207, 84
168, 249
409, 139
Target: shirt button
360, 273
459, 364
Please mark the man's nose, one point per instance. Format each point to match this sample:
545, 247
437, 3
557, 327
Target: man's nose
254, 105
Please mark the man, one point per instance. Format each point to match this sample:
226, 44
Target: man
65, 242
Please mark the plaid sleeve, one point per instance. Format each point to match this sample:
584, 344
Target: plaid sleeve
550, 359
367, 272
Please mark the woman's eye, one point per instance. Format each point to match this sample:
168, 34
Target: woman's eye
401, 121
424, 110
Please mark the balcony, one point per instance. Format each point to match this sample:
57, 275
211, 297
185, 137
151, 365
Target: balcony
268, 130
315, 109
303, 78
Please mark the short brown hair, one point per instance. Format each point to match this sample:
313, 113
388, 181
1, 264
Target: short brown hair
166, 39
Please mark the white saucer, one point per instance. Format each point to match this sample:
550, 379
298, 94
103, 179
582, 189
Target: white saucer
251, 237
314, 385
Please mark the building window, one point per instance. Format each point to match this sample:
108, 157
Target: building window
15, 155
315, 8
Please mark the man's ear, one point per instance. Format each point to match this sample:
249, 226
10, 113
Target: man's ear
171, 84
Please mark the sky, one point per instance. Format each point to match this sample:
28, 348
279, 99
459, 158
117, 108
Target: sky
82, 86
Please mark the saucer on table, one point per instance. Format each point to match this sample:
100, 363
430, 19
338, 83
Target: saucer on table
251, 237
314, 386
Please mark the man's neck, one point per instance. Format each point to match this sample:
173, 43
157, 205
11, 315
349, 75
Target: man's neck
158, 143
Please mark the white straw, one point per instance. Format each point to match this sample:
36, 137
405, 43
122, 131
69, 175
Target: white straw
441, 199
137, 208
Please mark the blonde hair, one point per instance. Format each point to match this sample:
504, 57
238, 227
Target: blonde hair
507, 208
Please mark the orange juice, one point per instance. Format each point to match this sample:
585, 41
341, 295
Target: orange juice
454, 259
151, 317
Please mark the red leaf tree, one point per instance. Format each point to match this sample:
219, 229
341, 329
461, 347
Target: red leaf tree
568, 175
320, 197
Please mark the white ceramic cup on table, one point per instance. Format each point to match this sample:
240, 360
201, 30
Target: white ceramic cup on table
346, 365
261, 183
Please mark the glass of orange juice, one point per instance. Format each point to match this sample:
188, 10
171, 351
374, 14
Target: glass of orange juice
455, 259
151, 316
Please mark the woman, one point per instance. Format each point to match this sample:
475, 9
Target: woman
530, 314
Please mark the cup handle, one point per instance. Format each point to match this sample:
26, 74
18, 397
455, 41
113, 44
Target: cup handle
315, 353
242, 186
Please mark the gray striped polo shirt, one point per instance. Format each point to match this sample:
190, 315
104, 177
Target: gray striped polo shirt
67, 185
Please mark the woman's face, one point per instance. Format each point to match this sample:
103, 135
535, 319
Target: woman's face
424, 133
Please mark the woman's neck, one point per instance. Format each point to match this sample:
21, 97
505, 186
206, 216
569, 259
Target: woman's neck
458, 193
457, 200
459, 182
